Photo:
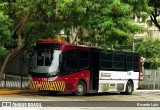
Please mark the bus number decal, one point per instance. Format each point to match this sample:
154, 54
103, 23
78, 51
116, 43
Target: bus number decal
129, 73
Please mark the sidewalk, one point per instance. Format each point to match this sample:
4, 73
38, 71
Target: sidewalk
15, 91
20, 91
143, 90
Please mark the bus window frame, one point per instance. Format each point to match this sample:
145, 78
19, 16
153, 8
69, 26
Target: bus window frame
66, 54
83, 58
106, 60
118, 61
125, 62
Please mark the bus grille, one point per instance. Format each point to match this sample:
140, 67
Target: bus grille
47, 85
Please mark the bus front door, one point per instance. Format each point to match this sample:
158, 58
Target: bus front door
94, 68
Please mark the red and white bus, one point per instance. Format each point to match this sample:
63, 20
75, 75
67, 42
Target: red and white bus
59, 67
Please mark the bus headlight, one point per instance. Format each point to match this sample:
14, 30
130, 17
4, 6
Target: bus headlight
51, 78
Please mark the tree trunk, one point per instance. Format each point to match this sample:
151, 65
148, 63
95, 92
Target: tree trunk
7, 59
153, 17
73, 37
14, 52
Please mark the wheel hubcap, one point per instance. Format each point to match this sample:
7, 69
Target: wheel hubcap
129, 88
80, 88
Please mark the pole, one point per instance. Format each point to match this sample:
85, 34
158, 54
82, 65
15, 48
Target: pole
133, 45
154, 82
22, 56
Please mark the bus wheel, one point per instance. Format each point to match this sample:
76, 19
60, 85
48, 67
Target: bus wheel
52, 92
129, 88
80, 89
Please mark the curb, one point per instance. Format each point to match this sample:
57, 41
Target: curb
7, 92
147, 90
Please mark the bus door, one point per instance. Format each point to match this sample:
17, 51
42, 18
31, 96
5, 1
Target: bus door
94, 68
70, 67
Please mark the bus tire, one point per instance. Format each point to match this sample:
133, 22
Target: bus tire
80, 89
129, 88
52, 93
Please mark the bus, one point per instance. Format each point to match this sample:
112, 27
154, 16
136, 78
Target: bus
60, 67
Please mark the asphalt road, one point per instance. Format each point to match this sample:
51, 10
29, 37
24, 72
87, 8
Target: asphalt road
42, 96
138, 100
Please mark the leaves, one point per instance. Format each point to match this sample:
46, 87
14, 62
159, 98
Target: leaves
106, 22
3, 51
5, 22
99, 23
150, 49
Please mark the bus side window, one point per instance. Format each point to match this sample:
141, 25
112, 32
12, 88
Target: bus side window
71, 63
106, 60
132, 62
135, 62
118, 61
129, 65
83, 60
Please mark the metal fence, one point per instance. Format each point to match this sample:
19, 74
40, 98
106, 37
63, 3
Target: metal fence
12, 81
150, 79
16, 73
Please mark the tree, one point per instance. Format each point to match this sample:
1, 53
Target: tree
30, 20
97, 22
145, 8
101, 23
155, 12
5, 35
150, 49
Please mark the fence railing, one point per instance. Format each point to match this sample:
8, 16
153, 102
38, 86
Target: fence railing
12, 81
150, 79
16, 73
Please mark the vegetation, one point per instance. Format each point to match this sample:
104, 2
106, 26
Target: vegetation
150, 49
155, 12
5, 35
99, 23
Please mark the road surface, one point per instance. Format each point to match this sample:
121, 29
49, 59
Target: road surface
88, 102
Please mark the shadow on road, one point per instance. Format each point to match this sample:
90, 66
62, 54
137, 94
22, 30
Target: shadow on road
70, 94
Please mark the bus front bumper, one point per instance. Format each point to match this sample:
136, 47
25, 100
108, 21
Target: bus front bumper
47, 85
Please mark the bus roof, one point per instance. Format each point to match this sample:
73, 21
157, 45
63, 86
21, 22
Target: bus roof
65, 46
62, 46
76, 47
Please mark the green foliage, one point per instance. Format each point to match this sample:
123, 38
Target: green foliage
42, 21
139, 5
150, 49
154, 13
105, 22
5, 35
3, 51
154, 3
98, 22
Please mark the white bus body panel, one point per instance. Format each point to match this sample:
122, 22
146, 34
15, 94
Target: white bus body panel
115, 81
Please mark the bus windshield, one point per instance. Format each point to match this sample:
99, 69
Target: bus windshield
47, 61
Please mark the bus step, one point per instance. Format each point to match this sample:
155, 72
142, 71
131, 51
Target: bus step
93, 91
